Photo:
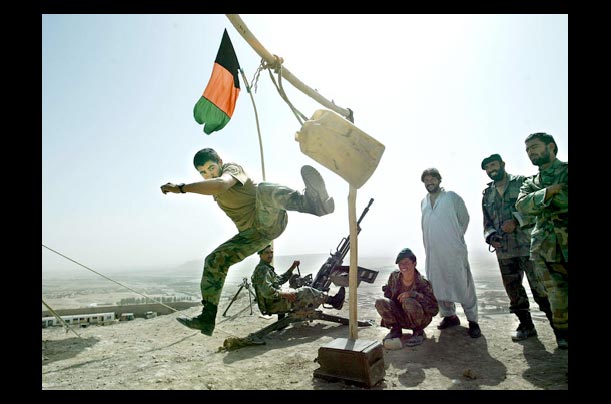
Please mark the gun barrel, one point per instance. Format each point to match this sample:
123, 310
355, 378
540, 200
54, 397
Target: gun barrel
364, 212
322, 281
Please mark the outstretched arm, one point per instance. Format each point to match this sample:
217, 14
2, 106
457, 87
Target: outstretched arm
212, 186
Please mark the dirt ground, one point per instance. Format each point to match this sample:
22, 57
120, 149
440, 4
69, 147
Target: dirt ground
159, 353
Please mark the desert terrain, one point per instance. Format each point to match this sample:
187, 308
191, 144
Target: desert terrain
161, 354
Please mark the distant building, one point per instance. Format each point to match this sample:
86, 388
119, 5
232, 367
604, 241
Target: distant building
81, 320
126, 317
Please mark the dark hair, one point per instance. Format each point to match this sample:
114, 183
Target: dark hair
205, 155
405, 253
432, 172
263, 249
545, 138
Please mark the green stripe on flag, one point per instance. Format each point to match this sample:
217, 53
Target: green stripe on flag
214, 118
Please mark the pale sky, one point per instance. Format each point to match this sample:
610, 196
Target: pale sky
439, 91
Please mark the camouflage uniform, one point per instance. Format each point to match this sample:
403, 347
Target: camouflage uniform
259, 213
414, 312
514, 254
267, 287
549, 248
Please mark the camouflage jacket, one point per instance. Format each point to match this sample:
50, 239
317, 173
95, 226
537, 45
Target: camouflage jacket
497, 209
552, 225
422, 291
267, 284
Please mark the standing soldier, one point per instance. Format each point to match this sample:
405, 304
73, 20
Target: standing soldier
509, 234
546, 196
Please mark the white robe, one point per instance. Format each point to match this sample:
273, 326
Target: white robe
447, 262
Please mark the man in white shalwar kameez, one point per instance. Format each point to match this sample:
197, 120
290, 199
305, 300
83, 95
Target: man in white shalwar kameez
444, 222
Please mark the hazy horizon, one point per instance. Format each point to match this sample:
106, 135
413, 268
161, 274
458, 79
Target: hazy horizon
309, 263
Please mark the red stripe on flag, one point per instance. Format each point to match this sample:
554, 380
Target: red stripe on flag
220, 90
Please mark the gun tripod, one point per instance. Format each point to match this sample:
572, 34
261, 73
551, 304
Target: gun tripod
246, 285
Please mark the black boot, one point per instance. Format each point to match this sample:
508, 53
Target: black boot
337, 301
526, 328
205, 322
447, 322
474, 331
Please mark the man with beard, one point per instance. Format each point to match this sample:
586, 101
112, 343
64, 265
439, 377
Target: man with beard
444, 223
546, 196
508, 232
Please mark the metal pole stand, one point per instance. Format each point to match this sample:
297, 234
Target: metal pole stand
246, 285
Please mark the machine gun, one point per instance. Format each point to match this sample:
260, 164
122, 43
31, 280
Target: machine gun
333, 270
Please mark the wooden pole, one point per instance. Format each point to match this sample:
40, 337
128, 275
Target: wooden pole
243, 30
241, 27
353, 274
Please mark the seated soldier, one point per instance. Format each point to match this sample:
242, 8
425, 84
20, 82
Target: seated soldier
408, 300
272, 300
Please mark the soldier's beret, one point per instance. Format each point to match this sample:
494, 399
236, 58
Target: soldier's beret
493, 157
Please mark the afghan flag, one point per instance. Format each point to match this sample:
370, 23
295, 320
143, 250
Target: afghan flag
215, 107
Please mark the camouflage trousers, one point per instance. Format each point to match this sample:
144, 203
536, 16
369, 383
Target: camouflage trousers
512, 272
272, 202
409, 314
555, 276
307, 299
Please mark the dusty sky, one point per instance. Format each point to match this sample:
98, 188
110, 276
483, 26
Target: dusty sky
437, 90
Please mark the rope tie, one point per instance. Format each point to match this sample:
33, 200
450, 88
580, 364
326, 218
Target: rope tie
276, 67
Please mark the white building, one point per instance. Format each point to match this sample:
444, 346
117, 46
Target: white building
82, 320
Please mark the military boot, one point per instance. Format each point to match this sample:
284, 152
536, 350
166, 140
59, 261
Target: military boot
474, 331
337, 301
205, 322
447, 322
526, 328
316, 200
